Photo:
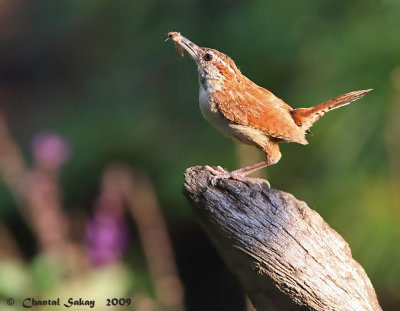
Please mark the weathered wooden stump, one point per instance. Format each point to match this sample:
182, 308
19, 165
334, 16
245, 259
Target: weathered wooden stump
284, 254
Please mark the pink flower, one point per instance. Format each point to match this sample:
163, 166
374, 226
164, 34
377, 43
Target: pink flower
50, 150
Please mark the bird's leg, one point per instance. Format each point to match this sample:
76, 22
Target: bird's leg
244, 171
271, 150
240, 174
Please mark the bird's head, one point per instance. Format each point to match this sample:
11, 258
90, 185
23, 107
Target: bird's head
215, 68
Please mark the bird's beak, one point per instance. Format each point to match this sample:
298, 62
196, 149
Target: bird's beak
183, 43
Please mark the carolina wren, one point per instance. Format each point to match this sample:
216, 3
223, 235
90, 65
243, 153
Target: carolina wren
248, 113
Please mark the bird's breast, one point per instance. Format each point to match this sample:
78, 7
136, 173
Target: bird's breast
210, 111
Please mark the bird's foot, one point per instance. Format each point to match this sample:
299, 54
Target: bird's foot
215, 171
221, 173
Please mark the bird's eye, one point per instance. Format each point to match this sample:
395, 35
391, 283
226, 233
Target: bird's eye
207, 57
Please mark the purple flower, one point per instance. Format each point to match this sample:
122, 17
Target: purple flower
50, 150
106, 238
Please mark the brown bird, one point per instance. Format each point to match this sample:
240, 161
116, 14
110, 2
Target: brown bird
248, 113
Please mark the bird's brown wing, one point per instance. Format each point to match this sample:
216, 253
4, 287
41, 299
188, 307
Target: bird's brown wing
259, 108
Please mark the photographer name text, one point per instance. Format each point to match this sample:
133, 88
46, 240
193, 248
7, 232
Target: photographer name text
31, 302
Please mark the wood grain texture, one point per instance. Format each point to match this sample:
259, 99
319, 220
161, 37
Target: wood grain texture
272, 241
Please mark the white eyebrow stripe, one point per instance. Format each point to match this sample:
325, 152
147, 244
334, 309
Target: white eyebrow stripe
226, 65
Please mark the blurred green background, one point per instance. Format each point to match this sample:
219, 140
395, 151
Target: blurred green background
95, 81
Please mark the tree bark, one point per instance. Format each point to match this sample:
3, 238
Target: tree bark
284, 254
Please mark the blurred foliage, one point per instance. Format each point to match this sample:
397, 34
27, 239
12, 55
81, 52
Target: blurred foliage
99, 74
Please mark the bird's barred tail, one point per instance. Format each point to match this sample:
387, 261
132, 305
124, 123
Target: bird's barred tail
306, 117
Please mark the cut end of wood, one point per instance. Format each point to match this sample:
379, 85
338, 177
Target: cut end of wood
272, 241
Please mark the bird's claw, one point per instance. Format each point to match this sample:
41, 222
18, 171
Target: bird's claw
215, 171
221, 173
